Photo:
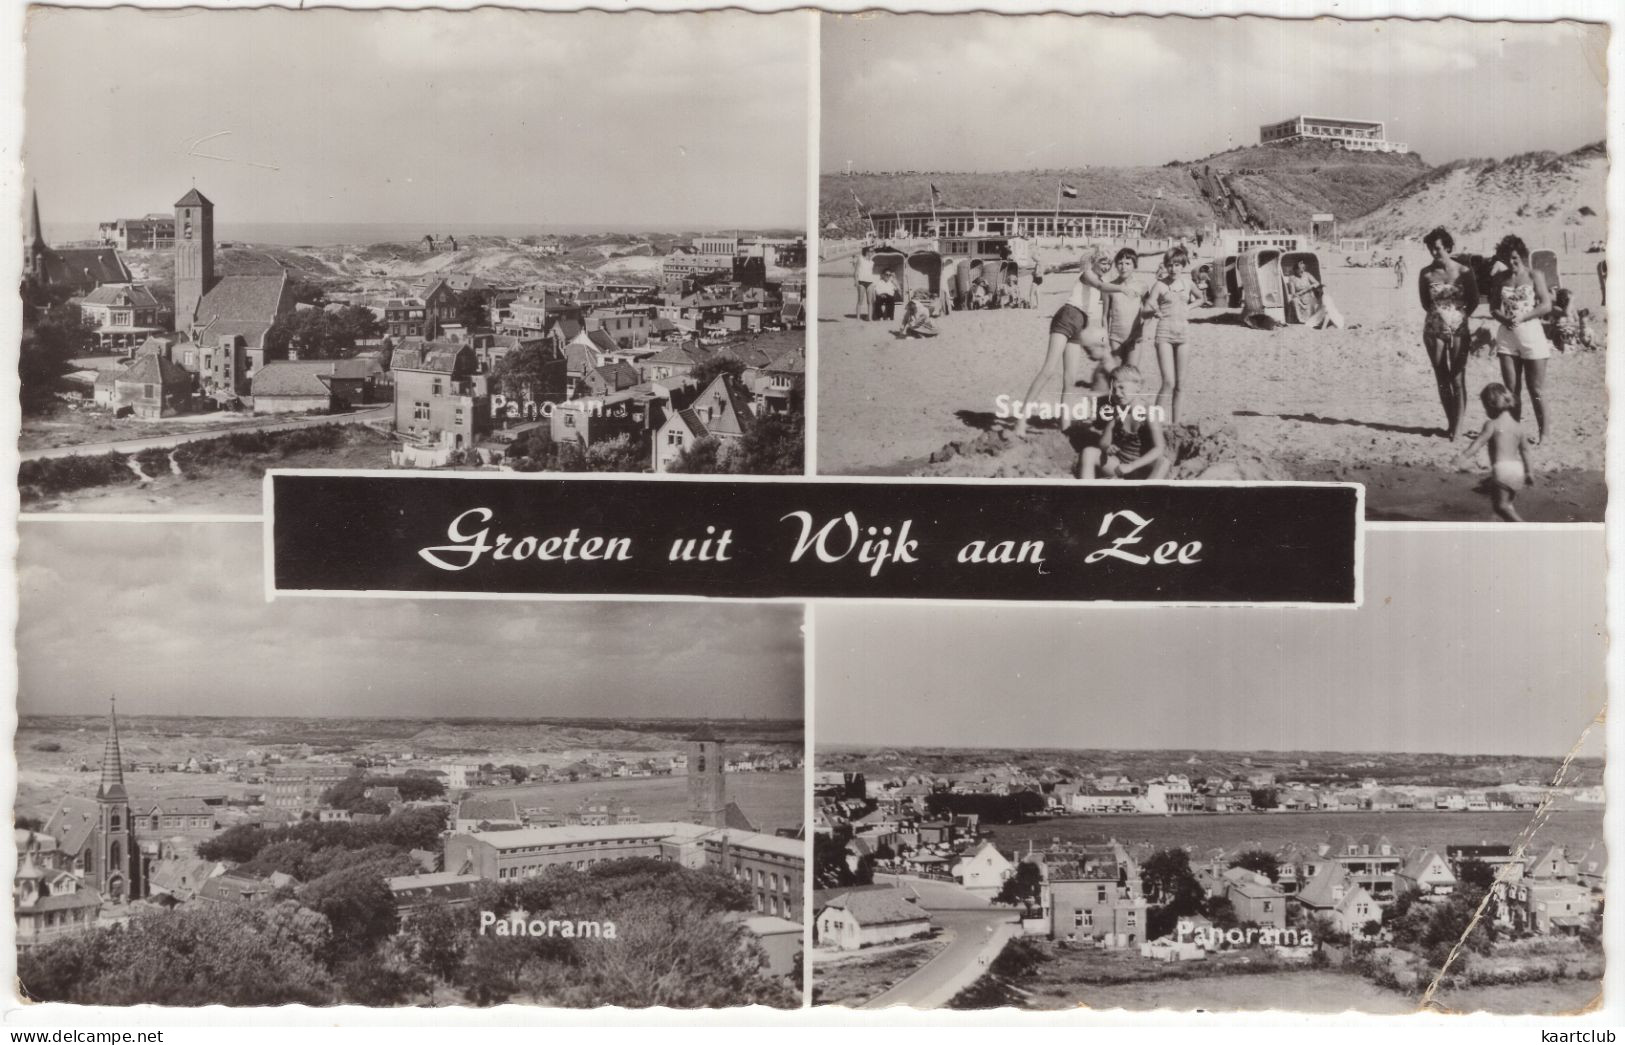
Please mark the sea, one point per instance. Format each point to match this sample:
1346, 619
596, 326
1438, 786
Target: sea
326, 234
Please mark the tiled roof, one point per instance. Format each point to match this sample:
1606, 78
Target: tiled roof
72, 823
878, 907
131, 294
193, 199
243, 306
301, 378
439, 357
85, 267
156, 370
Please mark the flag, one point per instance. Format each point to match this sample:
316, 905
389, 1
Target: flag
936, 197
1068, 191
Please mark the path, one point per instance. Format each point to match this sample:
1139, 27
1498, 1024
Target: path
270, 424
979, 933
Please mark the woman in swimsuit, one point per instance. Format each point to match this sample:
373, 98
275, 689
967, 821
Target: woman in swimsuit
1521, 343
1449, 294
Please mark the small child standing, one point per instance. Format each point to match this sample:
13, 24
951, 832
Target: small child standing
1509, 451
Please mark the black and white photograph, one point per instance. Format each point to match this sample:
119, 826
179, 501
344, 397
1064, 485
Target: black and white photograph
228, 801
1130, 248
1387, 810
499, 239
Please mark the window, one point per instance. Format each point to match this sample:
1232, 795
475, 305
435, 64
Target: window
1269, 905
1077, 919
439, 387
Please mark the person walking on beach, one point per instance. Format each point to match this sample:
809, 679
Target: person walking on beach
1521, 343
1449, 293
1077, 321
1399, 272
1509, 451
863, 274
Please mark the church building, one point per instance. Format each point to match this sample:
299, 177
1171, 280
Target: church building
95, 837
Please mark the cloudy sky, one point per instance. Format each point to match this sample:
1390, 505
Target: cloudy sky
985, 92
1469, 642
171, 619
480, 117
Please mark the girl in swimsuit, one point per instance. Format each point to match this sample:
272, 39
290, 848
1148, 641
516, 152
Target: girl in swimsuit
1449, 294
1521, 343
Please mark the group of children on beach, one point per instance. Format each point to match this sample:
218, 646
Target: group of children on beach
1095, 341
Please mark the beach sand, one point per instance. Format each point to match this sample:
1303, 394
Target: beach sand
1353, 404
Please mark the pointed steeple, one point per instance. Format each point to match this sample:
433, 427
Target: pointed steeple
112, 785
36, 232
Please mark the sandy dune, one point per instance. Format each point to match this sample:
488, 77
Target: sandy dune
1358, 404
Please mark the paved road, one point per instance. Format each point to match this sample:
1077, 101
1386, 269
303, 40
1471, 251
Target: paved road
270, 424
978, 936
979, 933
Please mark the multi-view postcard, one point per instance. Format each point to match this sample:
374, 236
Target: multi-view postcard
862, 521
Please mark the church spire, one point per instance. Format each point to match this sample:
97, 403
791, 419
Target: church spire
36, 232
112, 785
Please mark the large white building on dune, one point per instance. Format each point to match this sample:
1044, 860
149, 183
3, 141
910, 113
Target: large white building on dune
1359, 135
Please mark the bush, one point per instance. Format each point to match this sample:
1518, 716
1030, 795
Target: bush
57, 475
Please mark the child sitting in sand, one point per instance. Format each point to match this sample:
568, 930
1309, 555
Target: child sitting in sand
1509, 451
1131, 445
917, 319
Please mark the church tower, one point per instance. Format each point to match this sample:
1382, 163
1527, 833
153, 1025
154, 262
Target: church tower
194, 255
117, 860
34, 247
707, 797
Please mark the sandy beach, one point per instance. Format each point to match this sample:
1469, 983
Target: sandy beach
1354, 404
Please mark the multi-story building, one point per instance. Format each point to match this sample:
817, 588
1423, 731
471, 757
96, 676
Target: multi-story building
1359, 135
153, 232
297, 786
1093, 895
440, 395
124, 314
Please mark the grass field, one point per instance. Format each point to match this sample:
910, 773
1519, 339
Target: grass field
1573, 827
770, 800
856, 979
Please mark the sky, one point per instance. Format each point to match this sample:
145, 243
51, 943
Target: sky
492, 116
171, 619
1468, 642
989, 92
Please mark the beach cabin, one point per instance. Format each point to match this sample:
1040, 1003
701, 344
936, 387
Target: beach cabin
893, 262
1263, 297
1545, 262
1289, 267
922, 276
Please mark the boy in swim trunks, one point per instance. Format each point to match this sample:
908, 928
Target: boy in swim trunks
1509, 451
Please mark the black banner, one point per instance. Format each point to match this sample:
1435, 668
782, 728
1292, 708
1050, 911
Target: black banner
468, 533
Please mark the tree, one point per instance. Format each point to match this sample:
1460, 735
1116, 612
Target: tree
1166, 874
1260, 862
701, 457
56, 337
1023, 887
524, 372
357, 904
519, 774
1476, 874
471, 312
316, 333
774, 445
1264, 798
716, 363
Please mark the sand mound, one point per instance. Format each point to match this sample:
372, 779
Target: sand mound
1200, 452
1539, 195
